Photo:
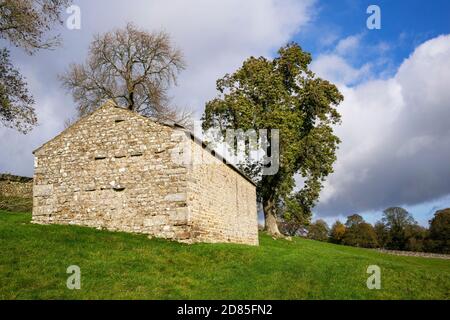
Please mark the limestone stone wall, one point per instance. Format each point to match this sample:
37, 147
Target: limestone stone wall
15, 186
115, 170
222, 202
112, 170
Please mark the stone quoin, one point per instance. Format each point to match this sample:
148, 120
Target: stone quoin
114, 169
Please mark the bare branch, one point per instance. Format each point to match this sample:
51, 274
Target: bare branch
25, 22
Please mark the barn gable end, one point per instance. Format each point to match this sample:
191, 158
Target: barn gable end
114, 170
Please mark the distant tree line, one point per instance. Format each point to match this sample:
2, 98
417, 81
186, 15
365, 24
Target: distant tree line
397, 230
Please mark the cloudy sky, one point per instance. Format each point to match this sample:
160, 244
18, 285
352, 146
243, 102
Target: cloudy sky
395, 134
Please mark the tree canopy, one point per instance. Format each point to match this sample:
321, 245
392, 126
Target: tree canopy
337, 232
318, 230
382, 234
359, 233
353, 219
16, 103
24, 24
397, 220
284, 94
440, 231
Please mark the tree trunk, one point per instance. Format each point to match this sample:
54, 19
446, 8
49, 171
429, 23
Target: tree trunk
131, 102
271, 226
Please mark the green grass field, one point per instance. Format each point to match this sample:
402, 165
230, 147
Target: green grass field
34, 259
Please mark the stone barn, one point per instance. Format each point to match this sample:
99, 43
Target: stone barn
117, 170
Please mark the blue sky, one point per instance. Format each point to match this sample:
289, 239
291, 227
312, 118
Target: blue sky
404, 25
395, 136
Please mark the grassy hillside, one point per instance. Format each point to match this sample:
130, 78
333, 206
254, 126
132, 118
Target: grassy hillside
34, 259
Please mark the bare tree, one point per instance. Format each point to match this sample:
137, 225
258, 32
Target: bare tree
130, 66
24, 24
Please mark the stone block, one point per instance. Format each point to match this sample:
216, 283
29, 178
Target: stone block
43, 190
180, 216
175, 197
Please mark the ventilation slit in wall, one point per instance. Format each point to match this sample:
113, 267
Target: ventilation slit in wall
119, 120
100, 157
136, 154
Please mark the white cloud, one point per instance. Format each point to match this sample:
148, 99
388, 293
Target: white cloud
348, 45
395, 137
336, 69
334, 65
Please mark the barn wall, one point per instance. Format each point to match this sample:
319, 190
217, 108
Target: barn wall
112, 170
222, 202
